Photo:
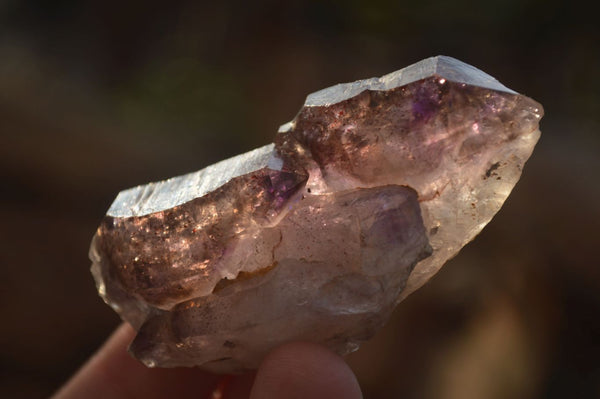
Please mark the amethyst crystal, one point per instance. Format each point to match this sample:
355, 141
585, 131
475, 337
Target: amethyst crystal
360, 200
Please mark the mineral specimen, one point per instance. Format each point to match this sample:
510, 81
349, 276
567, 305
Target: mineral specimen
360, 200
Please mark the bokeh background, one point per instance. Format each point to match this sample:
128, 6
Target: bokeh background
98, 96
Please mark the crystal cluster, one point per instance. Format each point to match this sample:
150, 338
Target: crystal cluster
359, 201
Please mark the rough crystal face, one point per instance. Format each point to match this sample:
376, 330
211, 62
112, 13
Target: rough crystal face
360, 200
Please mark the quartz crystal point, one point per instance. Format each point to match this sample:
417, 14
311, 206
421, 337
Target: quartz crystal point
359, 201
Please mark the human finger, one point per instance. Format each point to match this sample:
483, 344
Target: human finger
113, 373
304, 370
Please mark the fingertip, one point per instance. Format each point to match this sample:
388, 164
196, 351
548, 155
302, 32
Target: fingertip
113, 373
304, 370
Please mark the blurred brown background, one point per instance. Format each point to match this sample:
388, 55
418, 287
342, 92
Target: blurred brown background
98, 96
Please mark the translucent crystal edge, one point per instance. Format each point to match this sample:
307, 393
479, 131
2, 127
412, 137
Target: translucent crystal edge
443, 66
155, 197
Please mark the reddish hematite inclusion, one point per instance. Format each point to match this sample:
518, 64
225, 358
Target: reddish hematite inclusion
359, 201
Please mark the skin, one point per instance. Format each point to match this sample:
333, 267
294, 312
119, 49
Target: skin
295, 370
